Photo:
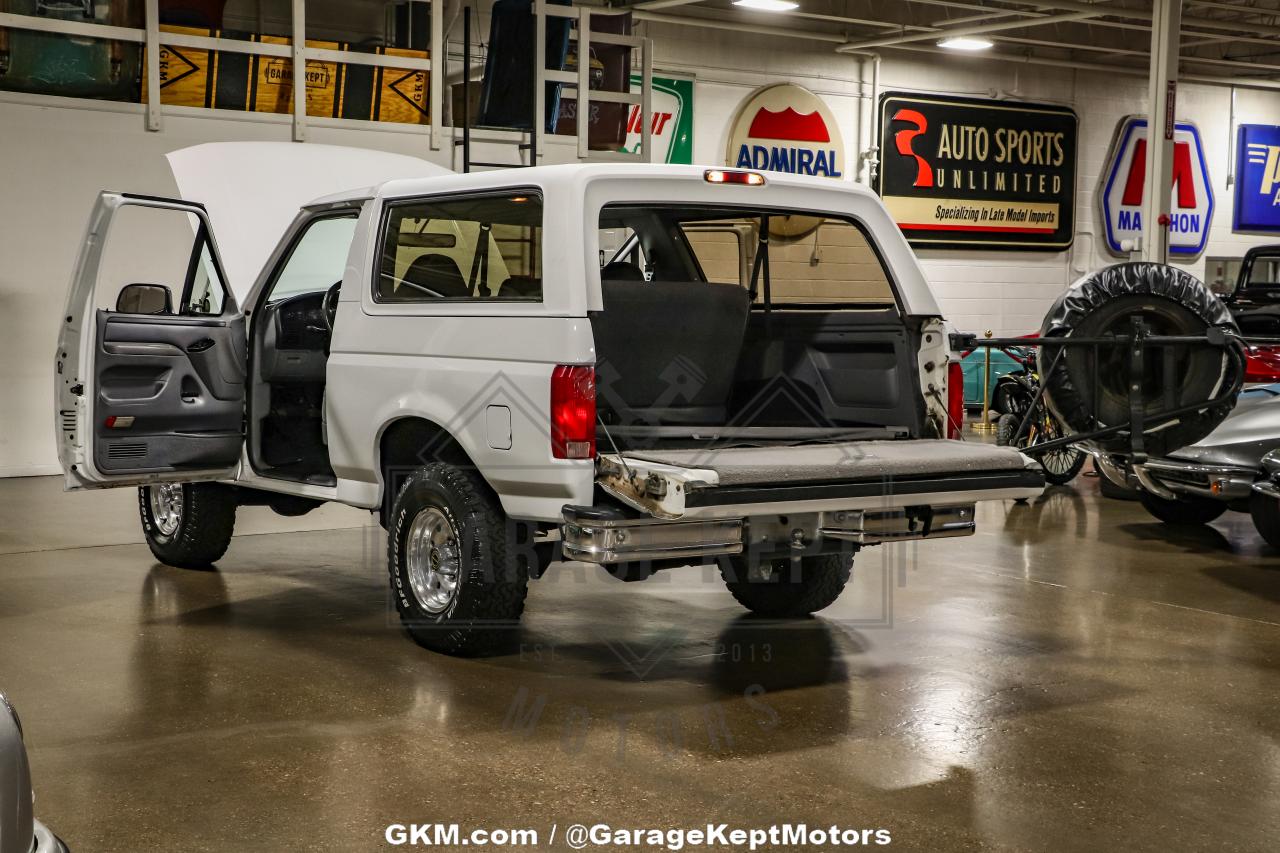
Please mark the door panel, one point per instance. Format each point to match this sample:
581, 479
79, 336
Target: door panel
181, 381
149, 397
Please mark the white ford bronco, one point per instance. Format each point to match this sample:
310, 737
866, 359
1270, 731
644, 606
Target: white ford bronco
642, 367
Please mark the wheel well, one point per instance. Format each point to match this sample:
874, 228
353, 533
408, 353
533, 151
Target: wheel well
410, 443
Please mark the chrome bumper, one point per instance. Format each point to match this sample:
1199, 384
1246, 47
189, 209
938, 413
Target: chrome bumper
604, 536
1268, 488
1220, 482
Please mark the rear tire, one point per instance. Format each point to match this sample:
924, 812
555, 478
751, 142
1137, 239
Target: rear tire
1265, 513
1184, 511
188, 525
1006, 427
786, 589
458, 575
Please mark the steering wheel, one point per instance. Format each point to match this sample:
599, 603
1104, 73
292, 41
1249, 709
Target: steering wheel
329, 305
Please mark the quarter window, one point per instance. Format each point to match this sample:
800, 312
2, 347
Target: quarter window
485, 248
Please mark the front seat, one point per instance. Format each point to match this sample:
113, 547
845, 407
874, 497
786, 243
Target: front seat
621, 271
437, 273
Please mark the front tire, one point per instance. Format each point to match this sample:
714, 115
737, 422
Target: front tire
188, 525
457, 576
1265, 512
1184, 511
787, 589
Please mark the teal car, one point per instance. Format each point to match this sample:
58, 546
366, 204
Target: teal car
974, 365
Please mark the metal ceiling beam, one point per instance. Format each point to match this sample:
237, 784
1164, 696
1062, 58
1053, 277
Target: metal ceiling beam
662, 4
809, 35
978, 29
1145, 15
1127, 70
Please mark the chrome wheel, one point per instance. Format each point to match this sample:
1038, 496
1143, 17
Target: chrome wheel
433, 561
166, 506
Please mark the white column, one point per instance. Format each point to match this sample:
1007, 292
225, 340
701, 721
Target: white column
151, 10
1162, 87
300, 70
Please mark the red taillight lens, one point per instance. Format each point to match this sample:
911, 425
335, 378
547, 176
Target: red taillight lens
955, 399
573, 412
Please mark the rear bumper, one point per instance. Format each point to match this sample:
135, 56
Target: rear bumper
606, 536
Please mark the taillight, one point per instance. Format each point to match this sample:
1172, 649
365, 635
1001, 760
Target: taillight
955, 399
573, 412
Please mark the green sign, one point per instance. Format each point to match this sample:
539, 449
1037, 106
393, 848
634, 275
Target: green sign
671, 133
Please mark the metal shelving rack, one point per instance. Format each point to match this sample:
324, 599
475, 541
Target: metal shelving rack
579, 80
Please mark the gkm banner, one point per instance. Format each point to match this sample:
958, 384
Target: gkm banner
786, 128
1257, 207
1125, 176
975, 173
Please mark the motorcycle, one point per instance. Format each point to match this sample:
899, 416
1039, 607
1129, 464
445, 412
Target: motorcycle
1018, 425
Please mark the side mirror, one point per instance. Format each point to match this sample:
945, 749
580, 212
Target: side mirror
144, 299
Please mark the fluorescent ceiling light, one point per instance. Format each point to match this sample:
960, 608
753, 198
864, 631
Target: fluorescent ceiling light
966, 43
767, 5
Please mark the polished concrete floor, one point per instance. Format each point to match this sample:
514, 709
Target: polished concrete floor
1073, 677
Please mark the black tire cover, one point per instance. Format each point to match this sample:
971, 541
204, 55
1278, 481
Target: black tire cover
1087, 396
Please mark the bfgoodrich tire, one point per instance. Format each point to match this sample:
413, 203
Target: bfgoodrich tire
1184, 511
188, 525
458, 577
786, 589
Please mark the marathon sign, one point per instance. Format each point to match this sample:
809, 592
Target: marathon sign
970, 173
786, 128
1124, 179
1257, 198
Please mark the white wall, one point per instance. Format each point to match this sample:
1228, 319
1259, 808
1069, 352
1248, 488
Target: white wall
55, 158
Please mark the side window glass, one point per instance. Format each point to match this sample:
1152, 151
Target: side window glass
318, 259
158, 261
483, 248
205, 295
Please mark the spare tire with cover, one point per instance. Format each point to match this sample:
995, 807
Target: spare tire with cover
1089, 391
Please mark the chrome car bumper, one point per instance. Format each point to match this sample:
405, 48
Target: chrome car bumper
1220, 482
604, 536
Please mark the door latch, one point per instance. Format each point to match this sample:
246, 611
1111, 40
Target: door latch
77, 390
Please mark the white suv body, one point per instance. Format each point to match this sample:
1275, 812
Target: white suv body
291, 406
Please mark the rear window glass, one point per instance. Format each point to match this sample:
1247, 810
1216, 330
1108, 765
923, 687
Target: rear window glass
807, 260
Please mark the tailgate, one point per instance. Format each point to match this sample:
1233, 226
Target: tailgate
738, 481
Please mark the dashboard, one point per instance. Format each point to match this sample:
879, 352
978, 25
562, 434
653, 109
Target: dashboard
295, 339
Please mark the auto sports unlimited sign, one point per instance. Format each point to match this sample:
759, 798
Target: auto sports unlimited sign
976, 173
786, 128
1257, 200
1125, 177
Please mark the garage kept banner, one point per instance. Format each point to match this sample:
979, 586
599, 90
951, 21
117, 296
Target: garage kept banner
975, 173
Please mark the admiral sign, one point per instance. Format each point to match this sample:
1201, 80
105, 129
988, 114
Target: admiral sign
1125, 177
1257, 198
977, 173
786, 128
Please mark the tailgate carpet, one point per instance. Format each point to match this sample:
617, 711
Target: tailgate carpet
842, 461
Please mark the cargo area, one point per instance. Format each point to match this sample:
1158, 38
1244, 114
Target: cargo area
770, 321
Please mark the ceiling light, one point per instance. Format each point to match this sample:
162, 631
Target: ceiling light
966, 43
767, 5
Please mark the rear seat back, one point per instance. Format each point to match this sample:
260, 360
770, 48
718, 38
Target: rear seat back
667, 350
